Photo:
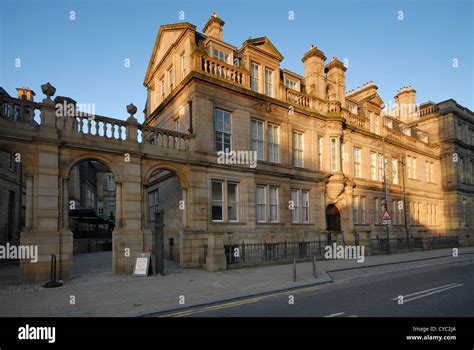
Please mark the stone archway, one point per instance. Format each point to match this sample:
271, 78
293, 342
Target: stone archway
333, 218
165, 189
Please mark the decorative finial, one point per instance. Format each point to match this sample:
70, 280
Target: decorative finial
49, 90
215, 14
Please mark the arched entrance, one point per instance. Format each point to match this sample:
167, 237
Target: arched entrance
333, 218
164, 192
91, 206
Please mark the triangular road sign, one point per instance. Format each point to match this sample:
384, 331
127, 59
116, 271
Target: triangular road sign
386, 216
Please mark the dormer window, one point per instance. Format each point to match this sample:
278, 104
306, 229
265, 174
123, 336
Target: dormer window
220, 55
268, 82
254, 76
170, 78
292, 84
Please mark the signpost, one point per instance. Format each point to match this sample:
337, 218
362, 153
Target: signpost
159, 243
142, 266
386, 218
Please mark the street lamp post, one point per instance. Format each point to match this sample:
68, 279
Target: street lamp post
385, 190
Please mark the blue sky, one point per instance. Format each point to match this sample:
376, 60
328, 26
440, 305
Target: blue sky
84, 58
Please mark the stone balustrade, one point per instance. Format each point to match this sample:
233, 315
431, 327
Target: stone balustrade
19, 110
357, 121
223, 70
298, 98
164, 138
99, 126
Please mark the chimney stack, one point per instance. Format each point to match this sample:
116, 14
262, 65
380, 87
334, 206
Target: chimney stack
25, 93
314, 72
213, 27
405, 104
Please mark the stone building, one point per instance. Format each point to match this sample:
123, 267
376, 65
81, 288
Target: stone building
322, 151
235, 148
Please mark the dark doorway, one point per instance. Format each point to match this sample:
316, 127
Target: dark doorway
333, 218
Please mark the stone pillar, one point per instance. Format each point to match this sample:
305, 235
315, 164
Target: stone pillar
215, 260
65, 260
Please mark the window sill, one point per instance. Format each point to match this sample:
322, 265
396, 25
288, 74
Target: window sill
227, 222
270, 223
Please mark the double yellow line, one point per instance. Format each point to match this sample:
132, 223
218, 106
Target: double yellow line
238, 302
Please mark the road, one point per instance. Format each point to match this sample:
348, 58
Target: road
445, 290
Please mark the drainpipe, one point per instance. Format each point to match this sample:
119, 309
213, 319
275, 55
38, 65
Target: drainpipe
190, 103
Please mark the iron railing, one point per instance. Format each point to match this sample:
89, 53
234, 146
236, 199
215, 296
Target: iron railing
442, 242
257, 253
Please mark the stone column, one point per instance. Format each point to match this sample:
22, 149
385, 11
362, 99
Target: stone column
29, 202
215, 260
65, 260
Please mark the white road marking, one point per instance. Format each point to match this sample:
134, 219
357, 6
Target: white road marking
334, 315
353, 316
428, 292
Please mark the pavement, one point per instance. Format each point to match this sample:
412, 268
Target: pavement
96, 293
443, 290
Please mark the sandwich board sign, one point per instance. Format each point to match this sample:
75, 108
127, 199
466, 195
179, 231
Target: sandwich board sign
142, 266
386, 218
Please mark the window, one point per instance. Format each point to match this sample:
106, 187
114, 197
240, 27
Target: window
111, 207
333, 150
464, 211
376, 124
257, 137
268, 82
414, 167
461, 168
11, 162
305, 206
356, 209
343, 158
362, 210
320, 153
183, 66
411, 167
395, 171
220, 55
472, 171
176, 125
274, 204
357, 152
153, 199
100, 208
429, 171
217, 201
232, 202
264, 195
261, 203
273, 143
373, 166
377, 211
291, 84
254, 76
170, 79
110, 183
400, 209
223, 130
389, 123
298, 149
295, 214
162, 89
381, 167
394, 212
417, 213
406, 131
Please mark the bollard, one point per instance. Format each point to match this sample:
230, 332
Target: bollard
314, 266
294, 269
53, 283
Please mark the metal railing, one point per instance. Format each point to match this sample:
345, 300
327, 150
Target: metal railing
257, 253
442, 242
379, 245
